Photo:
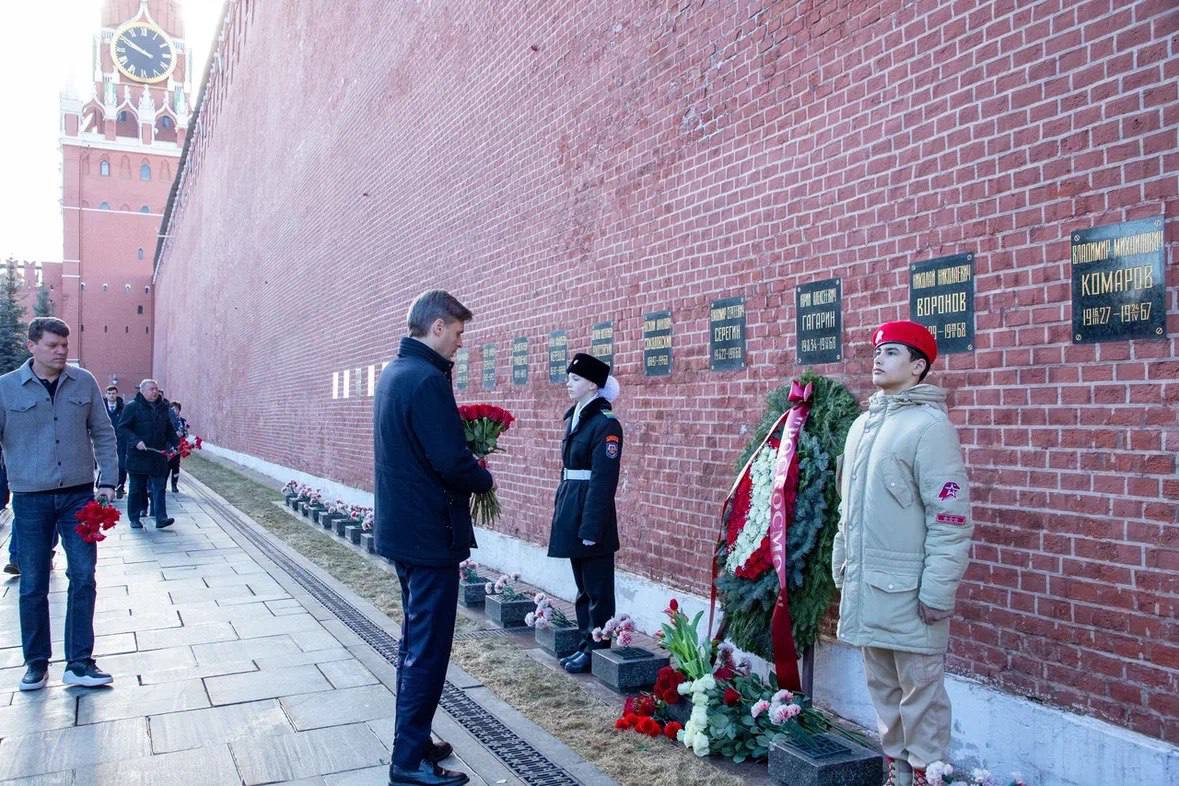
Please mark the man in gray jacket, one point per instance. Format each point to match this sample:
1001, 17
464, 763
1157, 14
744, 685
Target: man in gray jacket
53, 427
902, 546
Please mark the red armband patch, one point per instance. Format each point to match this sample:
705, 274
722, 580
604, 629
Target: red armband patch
949, 490
613, 438
947, 518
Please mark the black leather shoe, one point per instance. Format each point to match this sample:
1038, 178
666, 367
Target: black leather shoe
165, 523
579, 663
436, 752
426, 774
136, 524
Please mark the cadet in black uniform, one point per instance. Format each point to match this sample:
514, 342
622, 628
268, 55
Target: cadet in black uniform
585, 523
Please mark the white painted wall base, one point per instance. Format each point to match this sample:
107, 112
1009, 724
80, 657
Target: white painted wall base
998, 730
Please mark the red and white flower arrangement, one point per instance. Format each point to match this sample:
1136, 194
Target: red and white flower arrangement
482, 426
94, 519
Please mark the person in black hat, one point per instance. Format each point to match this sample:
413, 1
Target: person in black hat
585, 522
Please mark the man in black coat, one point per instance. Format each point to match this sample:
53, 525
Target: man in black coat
146, 427
114, 410
425, 475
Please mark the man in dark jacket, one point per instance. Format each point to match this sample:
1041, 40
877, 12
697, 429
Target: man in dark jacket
114, 410
424, 478
147, 429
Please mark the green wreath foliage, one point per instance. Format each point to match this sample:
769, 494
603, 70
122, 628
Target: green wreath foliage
748, 605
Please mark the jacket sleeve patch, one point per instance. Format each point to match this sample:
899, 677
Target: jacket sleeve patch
612, 449
949, 490
947, 518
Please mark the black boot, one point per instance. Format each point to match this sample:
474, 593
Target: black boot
426, 774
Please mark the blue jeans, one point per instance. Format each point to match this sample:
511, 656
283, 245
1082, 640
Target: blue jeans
38, 519
141, 487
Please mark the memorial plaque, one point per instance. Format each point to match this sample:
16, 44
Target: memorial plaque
726, 334
602, 342
941, 297
818, 310
1119, 289
657, 344
489, 366
462, 369
520, 360
558, 356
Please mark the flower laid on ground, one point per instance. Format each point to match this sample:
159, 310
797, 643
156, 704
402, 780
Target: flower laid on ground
942, 773
503, 586
482, 426
469, 571
695, 732
621, 628
682, 639
667, 683
546, 614
94, 519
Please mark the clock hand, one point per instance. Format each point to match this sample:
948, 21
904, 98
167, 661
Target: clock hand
127, 41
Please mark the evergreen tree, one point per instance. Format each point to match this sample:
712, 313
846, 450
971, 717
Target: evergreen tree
44, 306
13, 330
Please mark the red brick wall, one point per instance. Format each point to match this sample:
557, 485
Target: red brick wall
561, 167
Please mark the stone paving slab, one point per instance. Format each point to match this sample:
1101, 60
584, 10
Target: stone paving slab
226, 672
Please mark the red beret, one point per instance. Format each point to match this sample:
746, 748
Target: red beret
911, 334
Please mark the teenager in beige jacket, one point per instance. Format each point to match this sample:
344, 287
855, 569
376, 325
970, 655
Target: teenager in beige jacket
902, 547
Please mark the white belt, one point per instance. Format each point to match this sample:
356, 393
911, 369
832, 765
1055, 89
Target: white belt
577, 474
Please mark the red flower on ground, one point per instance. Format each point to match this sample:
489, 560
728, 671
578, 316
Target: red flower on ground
667, 682
672, 729
627, 721
649, 726
724, 673
732, 696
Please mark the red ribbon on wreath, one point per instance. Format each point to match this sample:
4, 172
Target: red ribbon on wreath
782, 501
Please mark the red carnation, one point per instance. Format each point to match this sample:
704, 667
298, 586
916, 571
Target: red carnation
672, 729
732, 696
627, 721
649, 726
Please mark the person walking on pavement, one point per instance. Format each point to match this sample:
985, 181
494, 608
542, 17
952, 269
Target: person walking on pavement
53, 429
182, 434
425, 475
148, 430
114, 410
12, 568
902, 547
585, 521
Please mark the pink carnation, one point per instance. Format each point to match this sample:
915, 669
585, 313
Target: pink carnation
759, 708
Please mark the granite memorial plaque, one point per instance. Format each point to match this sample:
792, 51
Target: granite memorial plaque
726, 334
462, 369
520, 360
818, 309
1118, 282
941, 297
558, 356
489, 366
657, 344
602, 342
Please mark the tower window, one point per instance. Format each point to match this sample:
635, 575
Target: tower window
144, 209
124, 116
104, 168
104, 206
166, 122
139, 309
139, 254
145, 172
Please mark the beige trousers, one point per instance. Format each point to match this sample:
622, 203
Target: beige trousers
912, 705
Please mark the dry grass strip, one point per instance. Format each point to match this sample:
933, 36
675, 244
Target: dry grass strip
555, 703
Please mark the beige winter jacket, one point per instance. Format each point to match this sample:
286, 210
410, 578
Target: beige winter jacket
905, 525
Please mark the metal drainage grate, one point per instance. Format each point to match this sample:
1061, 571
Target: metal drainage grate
816, 747
532, 766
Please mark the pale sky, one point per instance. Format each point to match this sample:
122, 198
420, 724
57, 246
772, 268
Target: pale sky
45, 48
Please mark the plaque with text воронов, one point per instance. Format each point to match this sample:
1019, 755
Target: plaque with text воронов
520, 360
657, 344
818, 309
489, 366
941, 297
462, 369
726, 334
558, 356
1119, 291
602, 342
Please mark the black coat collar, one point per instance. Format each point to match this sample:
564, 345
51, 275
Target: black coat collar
411, 347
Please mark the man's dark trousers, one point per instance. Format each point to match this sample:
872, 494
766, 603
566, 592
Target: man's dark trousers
37, 520
429, 600
594, 604
141, 486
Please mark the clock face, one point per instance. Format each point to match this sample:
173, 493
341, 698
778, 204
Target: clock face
143, 52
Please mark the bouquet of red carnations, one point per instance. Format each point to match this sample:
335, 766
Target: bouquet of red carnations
95, 517
482, 425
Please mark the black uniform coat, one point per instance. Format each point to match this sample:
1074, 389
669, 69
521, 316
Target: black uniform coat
425, 474
585, 509
146, 422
